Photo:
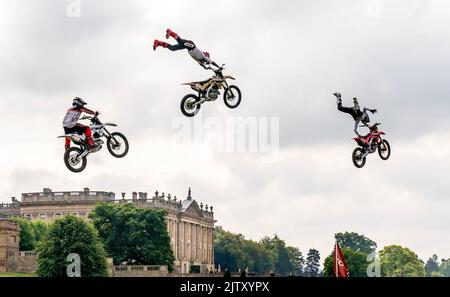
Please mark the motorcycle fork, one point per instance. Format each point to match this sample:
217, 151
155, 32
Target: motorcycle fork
202, 100
225, 85
84, 153
366, 153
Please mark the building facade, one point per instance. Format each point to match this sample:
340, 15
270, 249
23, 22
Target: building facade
190, 225
9, 241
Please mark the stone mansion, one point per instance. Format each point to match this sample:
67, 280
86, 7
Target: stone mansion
190, 225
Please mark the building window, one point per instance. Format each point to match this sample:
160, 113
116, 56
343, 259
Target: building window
58, 214
43, 216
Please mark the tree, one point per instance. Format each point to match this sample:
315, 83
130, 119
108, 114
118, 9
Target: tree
233, 252
283, 265
71, 235
31, 232
398, 261
27, 240
312, 263
297, 260
356, 248
432, 265
133, 235
444, 268
356, 263
356, 242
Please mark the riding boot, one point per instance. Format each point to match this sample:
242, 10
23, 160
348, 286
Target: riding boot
67, 145
157, 43
170, 33
89, 137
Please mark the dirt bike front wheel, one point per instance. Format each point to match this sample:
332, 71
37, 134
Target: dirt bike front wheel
384, 150
187, 105
73, 161
232, 97
358, 157
118, 145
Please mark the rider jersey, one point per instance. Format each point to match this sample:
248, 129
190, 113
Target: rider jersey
71, 118
199, 56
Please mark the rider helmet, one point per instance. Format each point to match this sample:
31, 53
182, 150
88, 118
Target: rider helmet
365, 118
77, 101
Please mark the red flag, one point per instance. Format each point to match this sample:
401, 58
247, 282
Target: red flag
340, 267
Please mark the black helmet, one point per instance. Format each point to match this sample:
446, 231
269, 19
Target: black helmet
77, 101
365, 118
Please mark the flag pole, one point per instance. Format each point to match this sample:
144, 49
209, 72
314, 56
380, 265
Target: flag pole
335, 258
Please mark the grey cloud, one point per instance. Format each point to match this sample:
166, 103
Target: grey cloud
288, 59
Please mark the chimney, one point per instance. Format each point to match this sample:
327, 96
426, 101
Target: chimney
189, 194
86, 189
134, 195
123, 196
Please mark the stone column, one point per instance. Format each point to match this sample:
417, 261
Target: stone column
192, 242
211, 242
196, 243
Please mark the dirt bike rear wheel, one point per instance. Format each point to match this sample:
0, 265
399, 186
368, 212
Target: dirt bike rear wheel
186, 105
70, 159
358, 160
118, 142
232, 97
384, 150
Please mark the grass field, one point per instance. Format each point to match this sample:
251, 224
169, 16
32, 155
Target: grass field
13, 274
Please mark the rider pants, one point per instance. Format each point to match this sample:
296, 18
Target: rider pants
79, 129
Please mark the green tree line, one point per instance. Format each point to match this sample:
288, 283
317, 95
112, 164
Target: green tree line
233, 252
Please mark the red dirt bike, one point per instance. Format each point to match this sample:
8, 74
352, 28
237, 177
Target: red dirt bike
369, 144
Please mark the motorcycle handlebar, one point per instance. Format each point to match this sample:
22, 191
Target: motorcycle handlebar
376, 124
90, 117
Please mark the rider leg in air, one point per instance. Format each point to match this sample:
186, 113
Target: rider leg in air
203, 58
71, 125
355, 111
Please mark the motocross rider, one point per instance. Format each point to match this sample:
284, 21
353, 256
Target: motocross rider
355, 112
71, 125
202, 58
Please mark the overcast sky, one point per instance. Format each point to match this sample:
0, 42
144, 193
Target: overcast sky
288, 59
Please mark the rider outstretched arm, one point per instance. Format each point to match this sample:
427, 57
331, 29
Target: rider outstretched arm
214, 63
368, 109
203, 64
88, 111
